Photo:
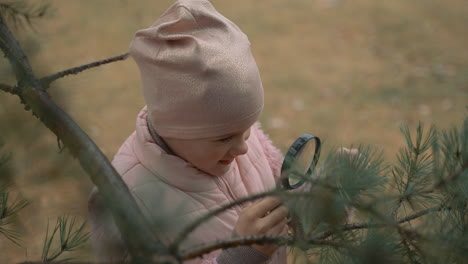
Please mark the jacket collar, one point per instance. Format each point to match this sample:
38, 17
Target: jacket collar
171, 169
157, 139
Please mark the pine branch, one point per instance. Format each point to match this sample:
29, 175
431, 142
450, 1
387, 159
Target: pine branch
46, 81
133, 226
70, 238
8, 88
411, 176
13, 209
8, 212
229, 243
12, 235
250, 240
408, 239
444, 181
356, 226
15, 55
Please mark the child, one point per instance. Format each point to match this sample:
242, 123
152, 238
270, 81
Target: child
197, 145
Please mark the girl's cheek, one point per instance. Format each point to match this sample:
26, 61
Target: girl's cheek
218, 154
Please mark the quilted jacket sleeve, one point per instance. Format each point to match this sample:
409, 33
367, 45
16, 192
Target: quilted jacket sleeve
273, 154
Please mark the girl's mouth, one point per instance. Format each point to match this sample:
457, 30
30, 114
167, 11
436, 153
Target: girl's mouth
226, 162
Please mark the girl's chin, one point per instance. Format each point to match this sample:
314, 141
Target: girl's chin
221, 169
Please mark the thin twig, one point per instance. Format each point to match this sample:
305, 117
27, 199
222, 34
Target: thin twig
250, 240
356, 226
439, 184
185, 232
397, 206
46, 81
8, 88
421, 213
444, 181
451, 178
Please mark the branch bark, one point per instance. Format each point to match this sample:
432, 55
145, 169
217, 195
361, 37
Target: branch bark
250, 240
131, 222
46, 81
8, 88
357, 226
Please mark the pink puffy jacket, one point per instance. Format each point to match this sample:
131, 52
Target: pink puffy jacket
172, 193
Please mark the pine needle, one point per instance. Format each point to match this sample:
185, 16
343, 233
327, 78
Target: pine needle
22, 13
69, 238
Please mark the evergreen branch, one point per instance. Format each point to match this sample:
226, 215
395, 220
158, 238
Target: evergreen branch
133, 226
68, 240
46, 81
408, 239
14, 208
408, 251
18, 60
397, 206
349, 227
354, 176
12, 235
444, 181
48, 241
356, 226
421, 213
8, 212
439, 184
414, 165
8, 88
250, 240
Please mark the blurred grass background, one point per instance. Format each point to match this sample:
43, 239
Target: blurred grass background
349, 71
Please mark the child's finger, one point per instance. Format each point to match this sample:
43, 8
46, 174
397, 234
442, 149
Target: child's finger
277, 215
265, 206
278, 228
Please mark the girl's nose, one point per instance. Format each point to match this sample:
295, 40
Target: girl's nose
240, 148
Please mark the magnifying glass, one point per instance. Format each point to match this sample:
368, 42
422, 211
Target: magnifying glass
300, 161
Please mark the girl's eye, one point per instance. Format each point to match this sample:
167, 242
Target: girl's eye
226, 139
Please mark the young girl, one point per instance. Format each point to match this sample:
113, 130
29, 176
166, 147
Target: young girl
197, 145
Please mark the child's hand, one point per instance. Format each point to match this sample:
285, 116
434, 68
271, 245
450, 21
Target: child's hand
267, 216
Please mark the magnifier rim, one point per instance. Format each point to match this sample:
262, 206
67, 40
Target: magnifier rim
297, 146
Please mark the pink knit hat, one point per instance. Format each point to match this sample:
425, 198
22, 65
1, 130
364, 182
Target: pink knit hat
198, 74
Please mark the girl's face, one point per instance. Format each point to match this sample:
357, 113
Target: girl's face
211, 155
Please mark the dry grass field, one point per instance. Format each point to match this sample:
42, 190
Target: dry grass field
349, 71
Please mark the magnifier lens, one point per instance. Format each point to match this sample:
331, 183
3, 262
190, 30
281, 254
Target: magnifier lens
302, 163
